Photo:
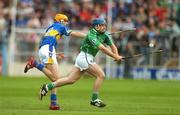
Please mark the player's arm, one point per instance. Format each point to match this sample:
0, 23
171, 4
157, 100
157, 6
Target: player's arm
74, 33
109, 52
114, 48
95, 42
110, 43
77, 34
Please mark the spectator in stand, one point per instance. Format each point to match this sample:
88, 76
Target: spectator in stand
159, 12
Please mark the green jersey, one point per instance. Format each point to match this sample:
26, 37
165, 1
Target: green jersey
93, 40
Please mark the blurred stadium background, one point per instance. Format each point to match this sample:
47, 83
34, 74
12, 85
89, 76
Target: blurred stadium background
22, 23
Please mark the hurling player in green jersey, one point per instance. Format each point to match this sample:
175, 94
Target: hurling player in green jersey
95, 41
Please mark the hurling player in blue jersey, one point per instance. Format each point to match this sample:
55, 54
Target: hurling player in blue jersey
47, 52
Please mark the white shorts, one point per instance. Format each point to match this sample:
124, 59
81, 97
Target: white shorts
83, 60
44, 55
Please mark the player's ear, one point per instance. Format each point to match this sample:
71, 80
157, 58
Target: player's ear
96, 27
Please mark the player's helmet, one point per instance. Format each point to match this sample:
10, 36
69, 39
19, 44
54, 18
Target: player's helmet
98, 21
60, 18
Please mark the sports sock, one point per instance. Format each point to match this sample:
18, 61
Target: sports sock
50, 86
95, 96
53, 99
39, 66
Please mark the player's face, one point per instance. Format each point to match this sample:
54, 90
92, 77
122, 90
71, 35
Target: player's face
66, 23
101, 28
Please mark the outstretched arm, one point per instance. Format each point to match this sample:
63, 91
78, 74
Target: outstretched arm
78, 34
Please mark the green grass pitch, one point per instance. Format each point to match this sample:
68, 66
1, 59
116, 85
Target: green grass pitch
19, 96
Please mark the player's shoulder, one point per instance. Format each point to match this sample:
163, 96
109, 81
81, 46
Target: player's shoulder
91, 32
56, 24
60, 27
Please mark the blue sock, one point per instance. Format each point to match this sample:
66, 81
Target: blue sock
53, 99
39, 66
35, 63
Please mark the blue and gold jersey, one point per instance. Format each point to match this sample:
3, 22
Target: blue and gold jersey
54, 33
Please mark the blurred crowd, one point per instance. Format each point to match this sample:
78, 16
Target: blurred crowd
155, 20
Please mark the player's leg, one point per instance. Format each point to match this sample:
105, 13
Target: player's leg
96, 71
80, 65
72, 77
44, 59
42, 67
31, 63
47, 55
53, 97
51, 71
48, 67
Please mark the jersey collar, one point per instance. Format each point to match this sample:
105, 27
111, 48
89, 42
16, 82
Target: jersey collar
95, 31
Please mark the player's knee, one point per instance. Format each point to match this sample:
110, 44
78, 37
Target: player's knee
101, 76
54, 79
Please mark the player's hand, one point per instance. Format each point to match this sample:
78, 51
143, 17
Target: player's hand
118, 58
60, 55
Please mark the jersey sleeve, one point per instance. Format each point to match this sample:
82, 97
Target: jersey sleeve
63, 30
108, 40
93, 39
67, 31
